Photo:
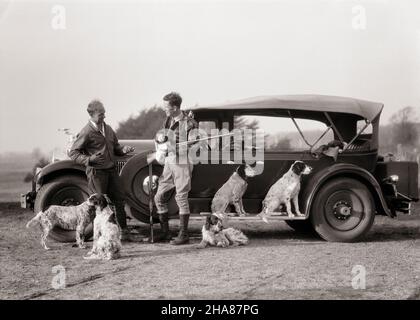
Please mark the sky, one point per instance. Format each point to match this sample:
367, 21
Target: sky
129, 54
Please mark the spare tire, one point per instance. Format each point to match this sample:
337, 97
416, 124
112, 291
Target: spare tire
68, 190
343, 210
140, 191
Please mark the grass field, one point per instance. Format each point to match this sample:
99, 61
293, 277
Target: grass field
279, 263
13, 169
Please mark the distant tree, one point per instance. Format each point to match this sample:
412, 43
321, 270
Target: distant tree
242, 123
37, 153
41, 161
404, 127
143, 126
280, 144
149, 121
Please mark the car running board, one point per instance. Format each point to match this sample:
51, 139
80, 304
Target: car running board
251, 217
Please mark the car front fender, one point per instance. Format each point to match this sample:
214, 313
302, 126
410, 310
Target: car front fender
315, 183
127, 175
59, 166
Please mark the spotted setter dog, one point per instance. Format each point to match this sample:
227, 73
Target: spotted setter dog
285, 191
232, 191
214, 234
69, 218
106, 233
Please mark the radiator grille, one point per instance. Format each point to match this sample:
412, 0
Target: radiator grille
120, 165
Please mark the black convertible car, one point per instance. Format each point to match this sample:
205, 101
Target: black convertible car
337, 136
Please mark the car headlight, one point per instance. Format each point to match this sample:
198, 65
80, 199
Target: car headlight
392, 179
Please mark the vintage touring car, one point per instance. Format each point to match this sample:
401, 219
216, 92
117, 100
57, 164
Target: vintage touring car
338, 137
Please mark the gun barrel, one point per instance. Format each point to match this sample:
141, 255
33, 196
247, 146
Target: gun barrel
207, 138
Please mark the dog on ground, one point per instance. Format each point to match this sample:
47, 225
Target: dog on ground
285, 191
106, 233
70, 218
214, 234
232, 191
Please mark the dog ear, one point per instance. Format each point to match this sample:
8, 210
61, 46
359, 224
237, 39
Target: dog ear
91, 212
93, 197
298, 167
241, 171
208, 223
102, 202
112, 219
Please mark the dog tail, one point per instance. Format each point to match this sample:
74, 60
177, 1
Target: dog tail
34, 221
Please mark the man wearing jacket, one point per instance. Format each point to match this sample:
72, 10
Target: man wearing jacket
177, 171
96, 147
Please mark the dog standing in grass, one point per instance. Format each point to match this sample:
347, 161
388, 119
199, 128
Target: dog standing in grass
70, 218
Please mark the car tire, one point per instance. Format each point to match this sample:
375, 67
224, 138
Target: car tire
141, 213
303, 226
343, 210
65, 190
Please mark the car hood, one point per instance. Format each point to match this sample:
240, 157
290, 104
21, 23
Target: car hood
139, 145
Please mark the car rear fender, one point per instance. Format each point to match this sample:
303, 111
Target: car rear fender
315, 183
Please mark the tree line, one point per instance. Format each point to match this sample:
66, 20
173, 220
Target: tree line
400, 135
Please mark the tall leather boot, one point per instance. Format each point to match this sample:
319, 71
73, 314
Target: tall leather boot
164, 235
182, 237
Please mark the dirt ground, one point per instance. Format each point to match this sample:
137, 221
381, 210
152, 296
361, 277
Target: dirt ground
277, 264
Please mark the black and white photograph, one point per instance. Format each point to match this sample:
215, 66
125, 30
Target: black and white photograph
219, 152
